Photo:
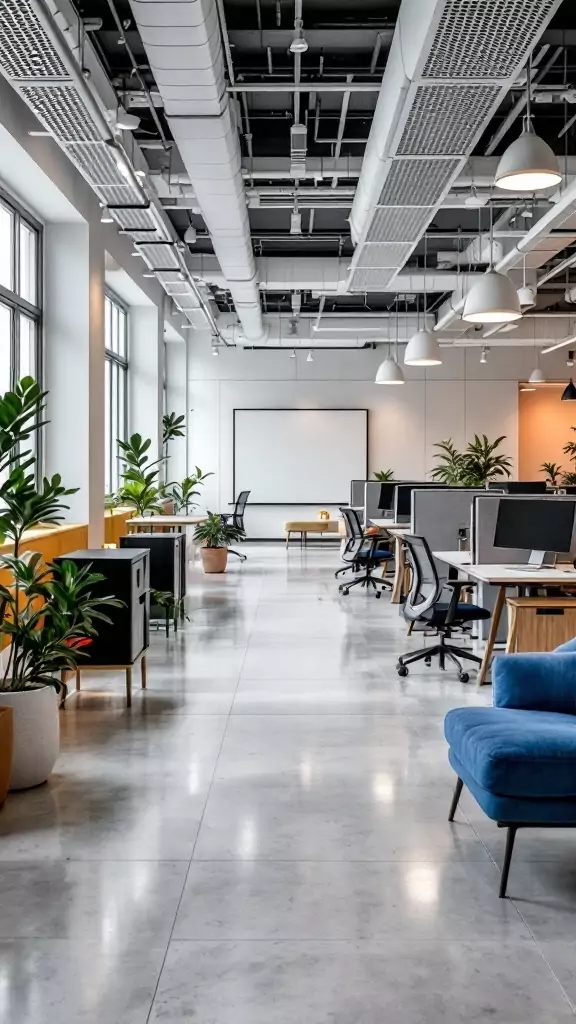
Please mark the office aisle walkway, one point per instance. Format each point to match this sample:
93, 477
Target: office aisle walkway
263, 839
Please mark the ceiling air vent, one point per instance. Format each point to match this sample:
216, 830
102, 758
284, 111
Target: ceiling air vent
298, 146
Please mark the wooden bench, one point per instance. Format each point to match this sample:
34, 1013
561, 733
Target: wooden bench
304, 527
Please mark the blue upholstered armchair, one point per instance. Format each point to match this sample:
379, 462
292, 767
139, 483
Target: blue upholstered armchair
518, 758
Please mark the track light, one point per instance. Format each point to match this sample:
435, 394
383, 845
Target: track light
298, 44
484, 354
310, 357
423, 350
389, 373
106, 217
570, 359
190, 235
293, 354
215, 351
127, 122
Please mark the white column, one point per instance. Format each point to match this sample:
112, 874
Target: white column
74, 368
145, 376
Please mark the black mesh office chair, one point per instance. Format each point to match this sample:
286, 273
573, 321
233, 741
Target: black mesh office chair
237, 517
362, 552
424, 604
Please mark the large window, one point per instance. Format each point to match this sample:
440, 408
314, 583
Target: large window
20, 295
116, 326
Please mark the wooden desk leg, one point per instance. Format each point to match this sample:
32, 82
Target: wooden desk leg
78, 680
129, 687
496, 616
399, 571
143, 672
287, 538
512, 629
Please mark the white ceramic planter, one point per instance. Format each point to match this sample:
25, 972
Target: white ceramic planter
36, 735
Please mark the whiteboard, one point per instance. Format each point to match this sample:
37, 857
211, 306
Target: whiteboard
299, 456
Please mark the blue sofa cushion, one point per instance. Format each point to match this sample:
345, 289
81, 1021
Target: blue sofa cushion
515, 753
568, 648
539, 682
508, 809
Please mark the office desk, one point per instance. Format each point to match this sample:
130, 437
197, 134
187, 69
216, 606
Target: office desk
397, 532
503, 577
390, 524
140, 524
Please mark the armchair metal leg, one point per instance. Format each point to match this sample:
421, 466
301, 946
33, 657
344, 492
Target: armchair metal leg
238, 554
510, 837
455, 799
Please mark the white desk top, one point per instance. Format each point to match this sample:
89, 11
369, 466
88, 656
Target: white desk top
389, 524
503, 574
182, 520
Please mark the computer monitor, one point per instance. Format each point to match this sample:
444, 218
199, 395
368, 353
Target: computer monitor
386, 499
538, 526
524, 487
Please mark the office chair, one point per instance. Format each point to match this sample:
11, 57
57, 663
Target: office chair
424, 604
238, 519
362, 552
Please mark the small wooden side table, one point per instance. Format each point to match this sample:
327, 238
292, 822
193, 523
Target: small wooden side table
111, 668
540, 623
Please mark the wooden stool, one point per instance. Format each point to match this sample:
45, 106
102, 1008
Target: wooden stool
540, 623
110, 668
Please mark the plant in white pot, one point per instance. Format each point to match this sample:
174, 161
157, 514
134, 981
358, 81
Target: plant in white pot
47, 612
215, 534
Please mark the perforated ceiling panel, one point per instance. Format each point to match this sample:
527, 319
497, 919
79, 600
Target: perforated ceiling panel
62, 111
25, 49
485, 38
470, 56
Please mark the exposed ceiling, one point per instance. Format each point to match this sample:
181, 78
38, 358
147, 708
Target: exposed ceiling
450, 124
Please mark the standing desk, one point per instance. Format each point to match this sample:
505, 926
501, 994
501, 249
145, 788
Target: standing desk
503, 577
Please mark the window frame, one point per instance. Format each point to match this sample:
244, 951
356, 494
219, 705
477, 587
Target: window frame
121, 402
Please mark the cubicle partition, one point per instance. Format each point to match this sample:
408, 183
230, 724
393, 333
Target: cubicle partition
357, 493
371, 501
442, 515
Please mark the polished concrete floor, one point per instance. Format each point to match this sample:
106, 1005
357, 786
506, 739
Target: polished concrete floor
263, 838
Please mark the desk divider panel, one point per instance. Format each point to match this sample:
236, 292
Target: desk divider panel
371, 501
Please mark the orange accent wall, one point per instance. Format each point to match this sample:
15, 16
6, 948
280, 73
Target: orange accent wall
543, 429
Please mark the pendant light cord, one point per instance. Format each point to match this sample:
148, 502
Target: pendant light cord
528, 116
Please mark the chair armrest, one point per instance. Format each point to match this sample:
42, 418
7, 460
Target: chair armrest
457, 587
535, 682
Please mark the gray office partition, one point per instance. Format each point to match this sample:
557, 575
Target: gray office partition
357, 492
485, 514
371, 500
440, 515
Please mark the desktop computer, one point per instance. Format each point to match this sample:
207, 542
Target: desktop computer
538, 526
386, 499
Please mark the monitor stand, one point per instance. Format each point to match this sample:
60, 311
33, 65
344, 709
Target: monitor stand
535, 562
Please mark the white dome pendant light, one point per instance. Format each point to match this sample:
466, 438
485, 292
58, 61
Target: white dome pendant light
528, 164
493, 299
423, 348
389, 371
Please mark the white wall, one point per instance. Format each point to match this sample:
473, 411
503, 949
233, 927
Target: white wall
456, 400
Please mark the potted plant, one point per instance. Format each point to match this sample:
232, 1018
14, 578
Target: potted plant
215, 535
476, 466
383, 475
46, 612
140, 489
181, 495
553, 471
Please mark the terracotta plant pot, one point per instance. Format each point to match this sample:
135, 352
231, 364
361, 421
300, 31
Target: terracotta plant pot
214, 559
36, 734
6, 746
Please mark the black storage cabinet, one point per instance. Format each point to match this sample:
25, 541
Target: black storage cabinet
167, 559
127, 573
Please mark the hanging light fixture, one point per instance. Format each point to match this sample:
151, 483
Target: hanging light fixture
526, 294
528, 164
299, 43
537, 377
190, 234
423, 348
389, 371
569, 393
309, 357
493, 299
293, 354
484, 355
106, 217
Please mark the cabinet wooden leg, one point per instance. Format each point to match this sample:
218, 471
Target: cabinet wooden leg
129, 687
144, 672
512, 629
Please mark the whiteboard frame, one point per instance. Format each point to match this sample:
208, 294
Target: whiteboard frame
284, 408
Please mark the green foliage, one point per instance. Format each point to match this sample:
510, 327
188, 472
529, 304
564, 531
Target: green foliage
172, 426
568, 479
553, 472
48, 615
570, 448
140, 489
383, 475
182, 494
215, 532
24, 506
20, 417
475, 466
165, 599
111, 501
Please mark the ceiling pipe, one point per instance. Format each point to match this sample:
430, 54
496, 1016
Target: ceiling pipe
318, 85
183, 46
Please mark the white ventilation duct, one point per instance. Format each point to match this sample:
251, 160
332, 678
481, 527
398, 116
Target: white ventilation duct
450, 65
182, 42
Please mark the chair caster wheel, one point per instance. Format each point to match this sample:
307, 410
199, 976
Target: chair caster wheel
428, 662
378, 594
464, 677
402, 670
344, 592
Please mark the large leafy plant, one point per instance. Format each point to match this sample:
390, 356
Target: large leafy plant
182, 494
383, 475
476, 466
215, 532
553, 471
140, 487
172, 426
47, 613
